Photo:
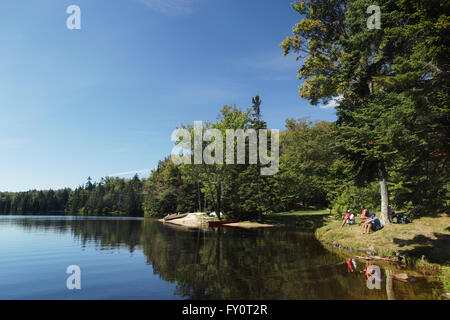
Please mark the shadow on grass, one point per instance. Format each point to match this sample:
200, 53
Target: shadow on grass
435, 250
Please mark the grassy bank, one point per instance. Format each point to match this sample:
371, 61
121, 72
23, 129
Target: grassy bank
424, 243
302, 218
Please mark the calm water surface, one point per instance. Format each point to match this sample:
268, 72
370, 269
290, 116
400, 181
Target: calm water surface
126, 258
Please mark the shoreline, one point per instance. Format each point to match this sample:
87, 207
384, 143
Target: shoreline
425, 238
422, 244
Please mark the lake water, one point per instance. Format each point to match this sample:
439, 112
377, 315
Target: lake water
126, 258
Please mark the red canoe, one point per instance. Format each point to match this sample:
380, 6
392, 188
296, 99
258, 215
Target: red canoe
215, 224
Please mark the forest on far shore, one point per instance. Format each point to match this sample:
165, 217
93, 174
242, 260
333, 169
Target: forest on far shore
312, 173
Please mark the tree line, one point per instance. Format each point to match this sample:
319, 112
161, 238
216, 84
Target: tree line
237, 190
389, 145
34, 201
110, 196
312, 173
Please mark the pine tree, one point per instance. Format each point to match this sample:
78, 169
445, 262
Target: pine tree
388, 83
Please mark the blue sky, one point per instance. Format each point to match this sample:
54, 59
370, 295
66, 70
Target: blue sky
105, 99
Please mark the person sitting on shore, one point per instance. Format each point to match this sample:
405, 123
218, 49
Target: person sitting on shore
372, 224
351, 218
367, 224
346, 217
364, 214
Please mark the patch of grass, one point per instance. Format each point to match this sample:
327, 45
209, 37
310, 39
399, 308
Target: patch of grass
300, 213
445, 277
306, 218
294, 217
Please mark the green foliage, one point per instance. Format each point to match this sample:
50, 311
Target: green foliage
169, 190
239, 190
34, 202
111, 196
306, 157
352, 197
392, 90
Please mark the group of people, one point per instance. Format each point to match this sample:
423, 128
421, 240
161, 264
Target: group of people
369, 220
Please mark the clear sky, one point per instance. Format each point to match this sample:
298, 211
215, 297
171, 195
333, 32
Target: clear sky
105, 99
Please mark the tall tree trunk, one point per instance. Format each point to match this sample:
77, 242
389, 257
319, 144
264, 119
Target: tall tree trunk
199, 198
382, 175
259, 200
219, 193
258, 176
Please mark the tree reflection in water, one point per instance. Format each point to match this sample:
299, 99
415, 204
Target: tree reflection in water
278, 263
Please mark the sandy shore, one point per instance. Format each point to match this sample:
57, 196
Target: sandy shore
191, 220
196, 221
250, 225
